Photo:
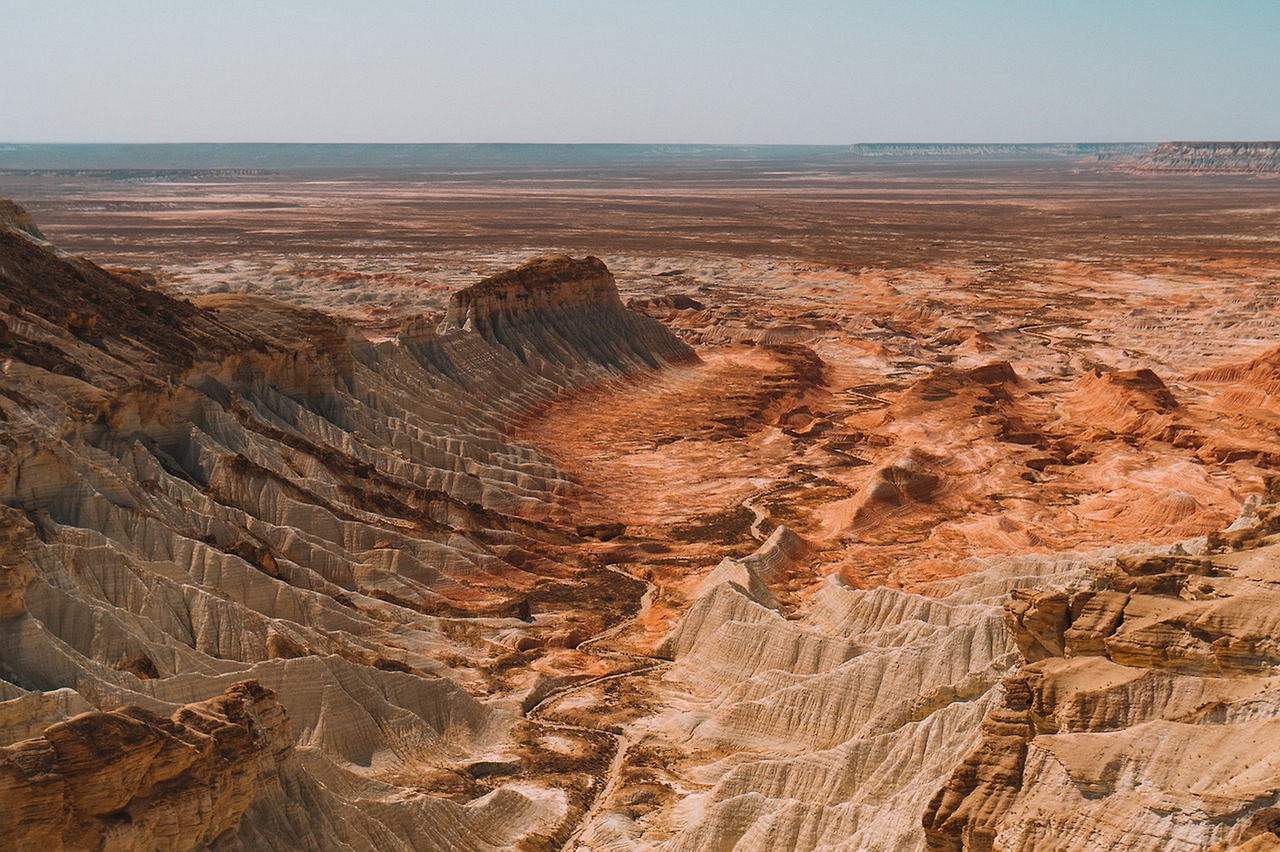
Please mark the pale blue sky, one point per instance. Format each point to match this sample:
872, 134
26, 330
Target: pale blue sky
801, 71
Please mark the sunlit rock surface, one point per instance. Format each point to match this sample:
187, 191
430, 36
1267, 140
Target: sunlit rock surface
1211, 158
906, 555
830, 729
1144, 715
1121, 699
200, 497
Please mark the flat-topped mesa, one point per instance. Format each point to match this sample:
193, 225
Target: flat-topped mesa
1212, 158
550, 280
562, 311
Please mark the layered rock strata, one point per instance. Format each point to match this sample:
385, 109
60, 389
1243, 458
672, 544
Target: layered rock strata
556, 312
1211, 158
1121, 699
823, 726
130, 779
202, 496
268, 583
1144, 715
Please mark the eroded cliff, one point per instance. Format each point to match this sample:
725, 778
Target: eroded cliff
238, 498
1260, 158
459, 584
1145, 714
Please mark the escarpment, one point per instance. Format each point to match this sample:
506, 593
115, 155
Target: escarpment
256, 567
827, 727
1210, 158
1121, 699
131, 779
555, 312
482, 578
1144, 714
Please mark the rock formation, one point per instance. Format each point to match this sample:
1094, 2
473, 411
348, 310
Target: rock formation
130, 779
1120, 699
16, 217
1209, 158
253, 562
906, 555
824, 729
1139, 718
556, 312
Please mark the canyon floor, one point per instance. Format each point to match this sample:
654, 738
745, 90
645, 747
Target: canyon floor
888, 513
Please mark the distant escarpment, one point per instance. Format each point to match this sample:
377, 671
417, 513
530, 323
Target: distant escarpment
1077, 150
1260, 158
254, 567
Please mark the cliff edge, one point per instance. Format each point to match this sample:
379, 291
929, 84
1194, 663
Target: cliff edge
555, 311
255, 567
1225, 158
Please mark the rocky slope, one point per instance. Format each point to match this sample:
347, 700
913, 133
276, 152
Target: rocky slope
827, 726
268, 581
1145, 714
1210, 158
256, 568
1121, 699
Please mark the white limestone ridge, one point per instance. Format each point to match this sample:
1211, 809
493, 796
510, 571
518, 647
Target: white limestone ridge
244, 503
1119, 699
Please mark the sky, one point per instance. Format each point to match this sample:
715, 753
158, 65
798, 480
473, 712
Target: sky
640, 71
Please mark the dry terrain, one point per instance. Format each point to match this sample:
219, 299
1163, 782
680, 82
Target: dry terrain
841, 503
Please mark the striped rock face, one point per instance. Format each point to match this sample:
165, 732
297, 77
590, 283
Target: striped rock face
258, 569
881, 510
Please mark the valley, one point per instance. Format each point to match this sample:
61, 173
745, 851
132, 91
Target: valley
801, 502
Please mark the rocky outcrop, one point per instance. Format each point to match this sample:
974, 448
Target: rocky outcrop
1133, 403
553, 312
1262, 373
16, 217
131, 779
898, 485
1210, 158
1117, 699
198, 495
1110, 700
667, 308
823, 727
1135, 720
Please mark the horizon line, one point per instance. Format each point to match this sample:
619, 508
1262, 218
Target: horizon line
8, 143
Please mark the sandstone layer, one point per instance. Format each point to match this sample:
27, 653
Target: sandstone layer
242, 499
1257, 158
1146, 712
846, 579
1121, 699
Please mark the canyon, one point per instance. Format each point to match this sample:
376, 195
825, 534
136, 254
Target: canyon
871, 499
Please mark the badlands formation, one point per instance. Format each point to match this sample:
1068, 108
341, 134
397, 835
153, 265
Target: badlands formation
966, 543
1211, 158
